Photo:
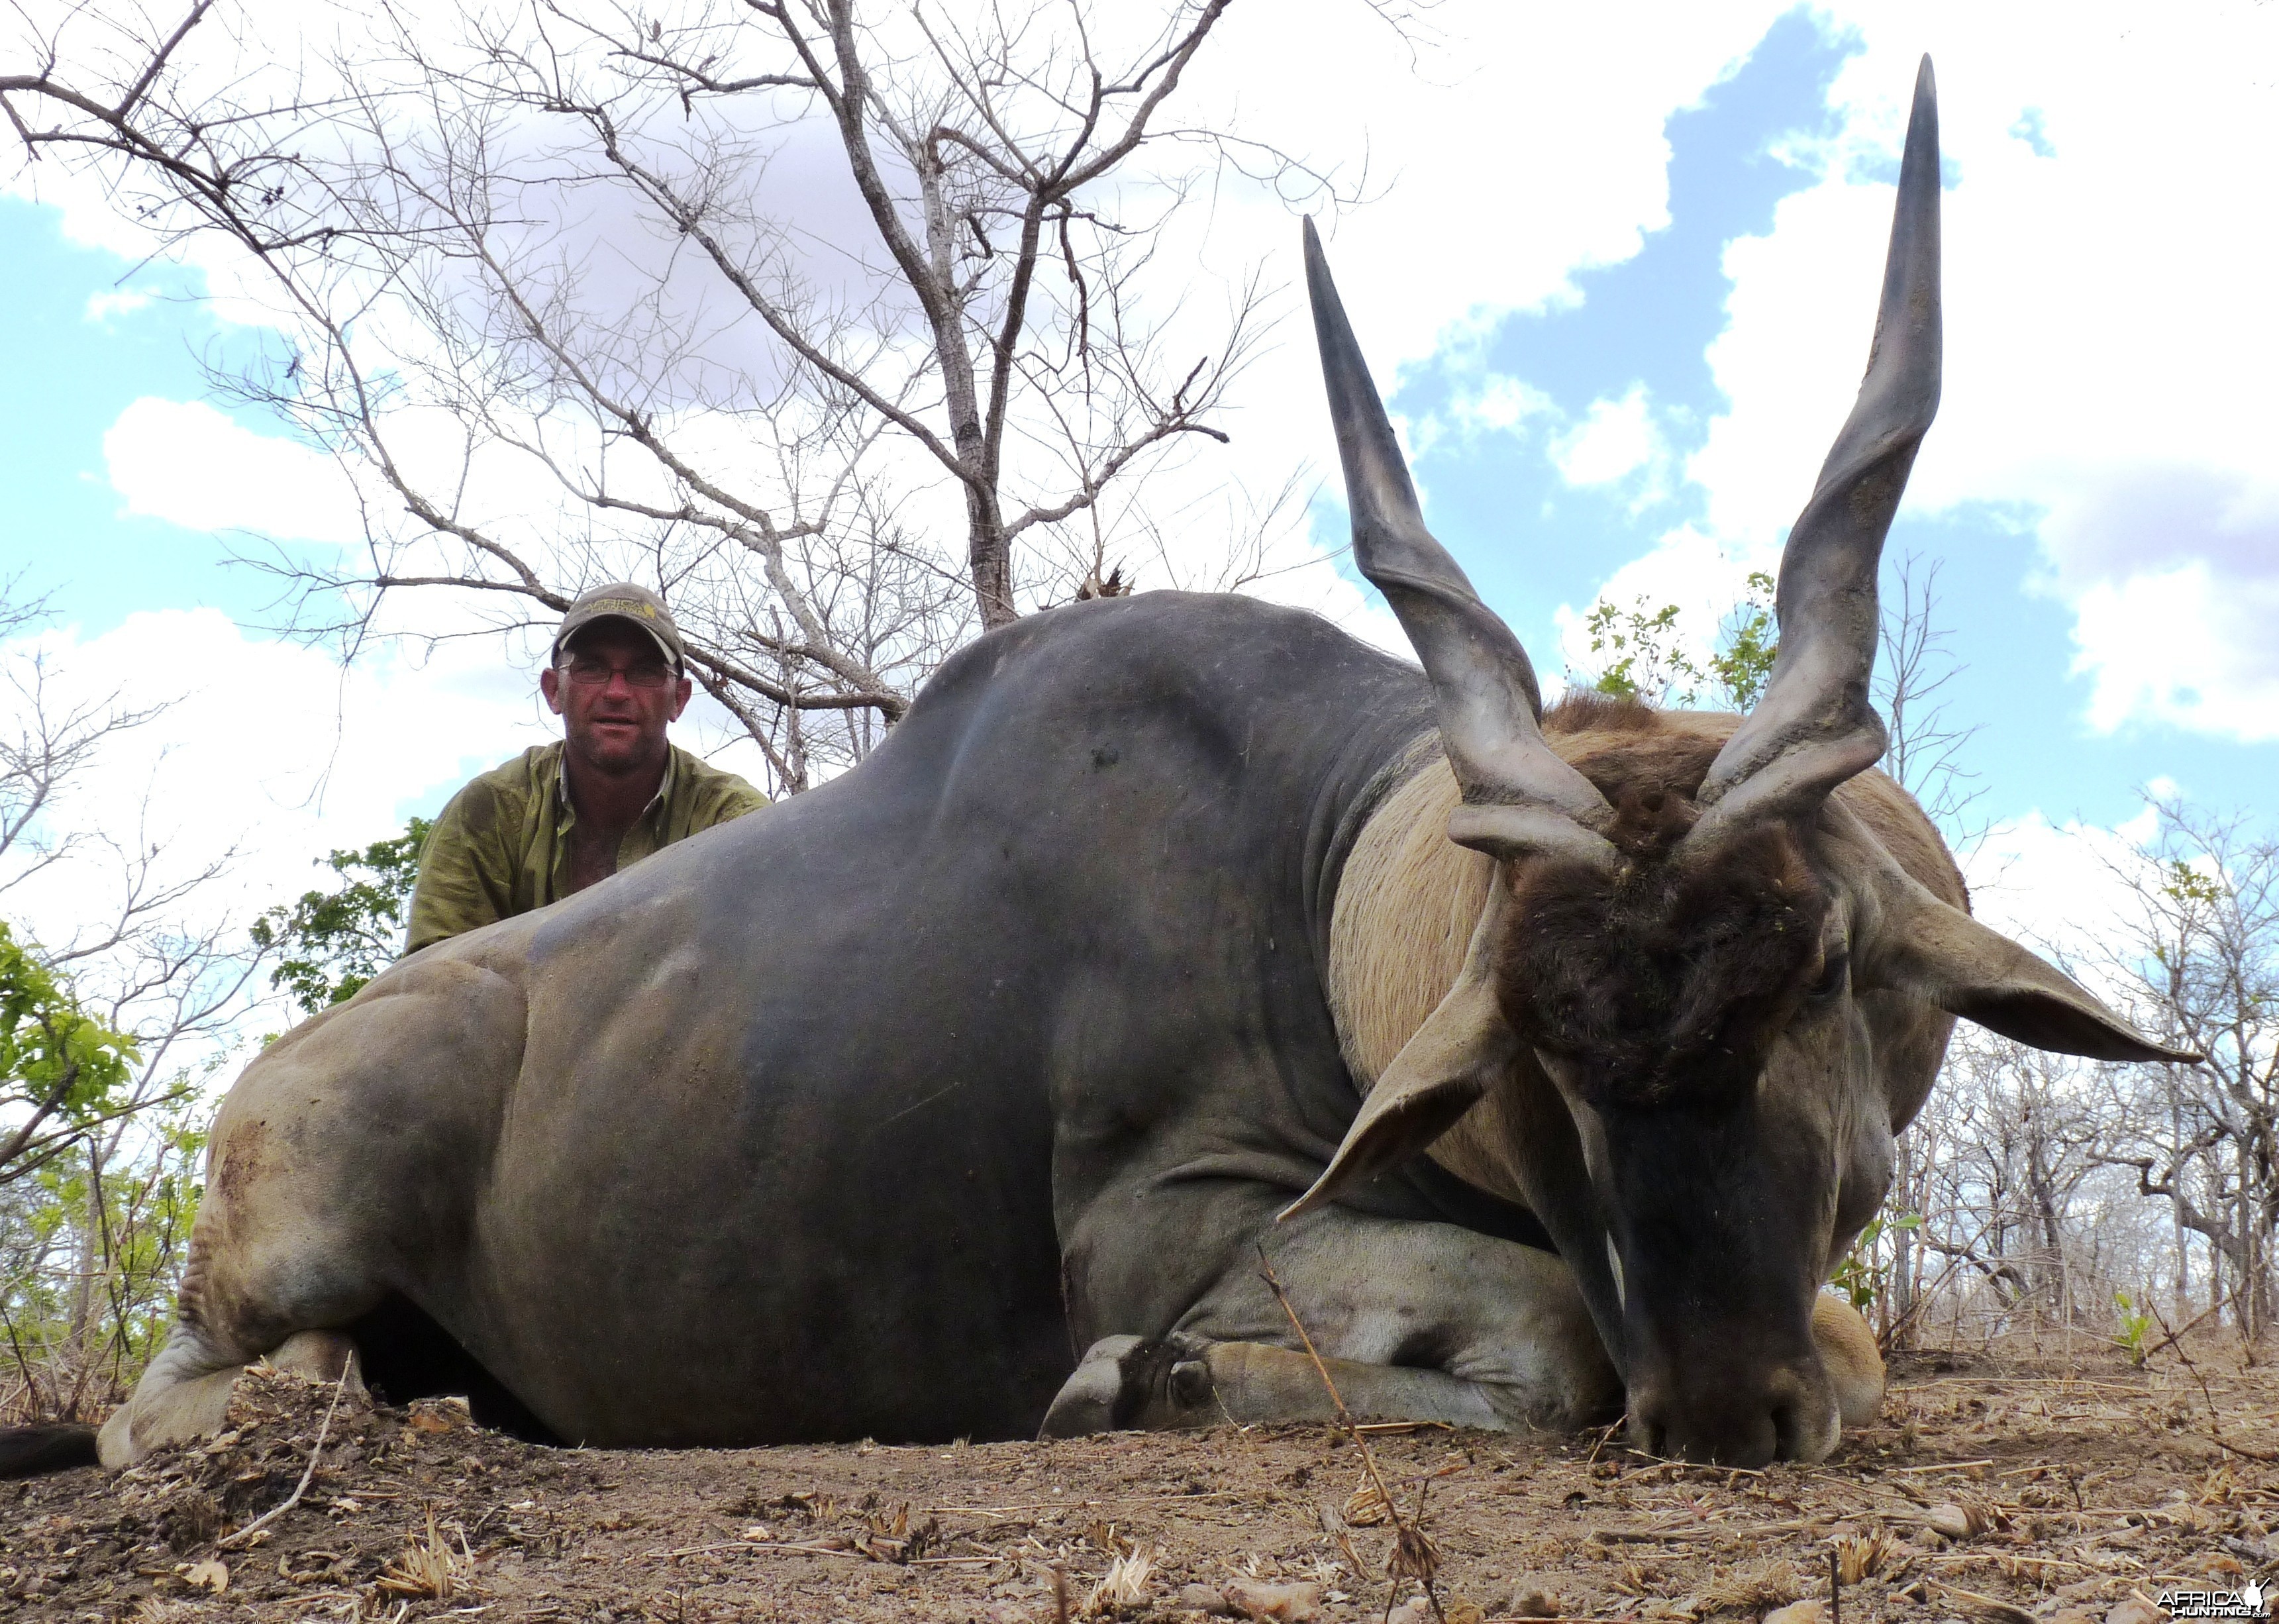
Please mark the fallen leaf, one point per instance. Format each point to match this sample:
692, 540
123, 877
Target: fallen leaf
1952, 1521
438, 1415
1275, 1604
209, 1574
1809, 1611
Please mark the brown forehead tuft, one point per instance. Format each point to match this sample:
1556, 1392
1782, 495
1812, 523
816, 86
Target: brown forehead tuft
1665, 982
1585, 710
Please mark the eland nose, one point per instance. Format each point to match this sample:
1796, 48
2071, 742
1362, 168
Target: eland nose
1733, 1418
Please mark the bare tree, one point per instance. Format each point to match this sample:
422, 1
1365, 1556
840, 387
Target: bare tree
742, 299
1927, 752
2200, 953
2021, 1138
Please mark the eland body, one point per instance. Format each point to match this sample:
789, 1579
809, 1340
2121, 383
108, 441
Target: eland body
1552, 1060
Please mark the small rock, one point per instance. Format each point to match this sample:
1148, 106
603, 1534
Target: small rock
1416, 1610
1809, 1611
1535, 1604
2135, 1610
1203, 1598
1275, 1604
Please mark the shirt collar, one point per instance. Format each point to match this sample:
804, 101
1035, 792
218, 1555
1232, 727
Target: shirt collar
656, 802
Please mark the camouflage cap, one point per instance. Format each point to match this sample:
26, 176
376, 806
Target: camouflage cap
622, 601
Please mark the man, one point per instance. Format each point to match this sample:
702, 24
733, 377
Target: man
561, 817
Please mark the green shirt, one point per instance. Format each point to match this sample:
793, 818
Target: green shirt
501, 847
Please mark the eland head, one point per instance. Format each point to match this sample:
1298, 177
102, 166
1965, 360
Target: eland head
1703, 999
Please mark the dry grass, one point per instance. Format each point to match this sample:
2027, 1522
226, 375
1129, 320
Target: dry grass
1752, 1586
1122, 1585
428, 1569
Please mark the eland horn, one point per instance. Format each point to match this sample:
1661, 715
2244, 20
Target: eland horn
1520, 798
1814, 726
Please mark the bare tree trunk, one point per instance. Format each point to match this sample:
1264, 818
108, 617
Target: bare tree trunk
2176, 1218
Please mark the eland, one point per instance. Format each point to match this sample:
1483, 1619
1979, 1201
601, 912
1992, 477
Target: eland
1551, 1059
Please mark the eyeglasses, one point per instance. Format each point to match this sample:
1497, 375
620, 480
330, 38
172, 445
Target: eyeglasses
593, 674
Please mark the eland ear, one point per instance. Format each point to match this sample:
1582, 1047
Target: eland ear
1945, 957
1440, 1073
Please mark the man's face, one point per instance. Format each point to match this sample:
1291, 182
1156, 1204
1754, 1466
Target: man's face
615, 693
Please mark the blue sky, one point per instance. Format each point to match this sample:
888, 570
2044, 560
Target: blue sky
1670, 246
1532, 541
69, 377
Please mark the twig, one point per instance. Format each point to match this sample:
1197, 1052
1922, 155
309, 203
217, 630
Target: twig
2009, 1612
774, 1545
1660, 1461
1835, 1588
2216, 1416
2190, 1325
1690, 1534
316, 1453
1413, 1554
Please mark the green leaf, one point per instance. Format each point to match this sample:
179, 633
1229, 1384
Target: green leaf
332, 942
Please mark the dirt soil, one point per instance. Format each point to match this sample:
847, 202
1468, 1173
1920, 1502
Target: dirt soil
1997, 1490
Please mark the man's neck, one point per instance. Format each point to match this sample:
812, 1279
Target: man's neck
611, 803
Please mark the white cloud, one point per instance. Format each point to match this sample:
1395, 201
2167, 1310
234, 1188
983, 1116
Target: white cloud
2183, 646
186, 462
1484, 403
267, 757
1615, 439
2064, 889
2108, 331
118, 302
269, 746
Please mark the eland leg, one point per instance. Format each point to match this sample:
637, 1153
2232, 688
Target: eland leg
1414, 1321
341, 1163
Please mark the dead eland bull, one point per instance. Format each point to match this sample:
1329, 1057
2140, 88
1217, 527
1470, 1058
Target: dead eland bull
863, 1115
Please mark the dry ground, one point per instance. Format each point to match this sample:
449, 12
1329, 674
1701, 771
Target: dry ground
1996, 1490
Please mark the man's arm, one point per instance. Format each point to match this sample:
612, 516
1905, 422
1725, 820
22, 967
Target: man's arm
466, 869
